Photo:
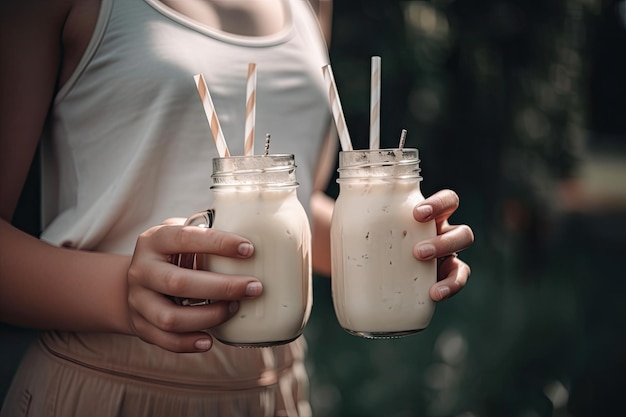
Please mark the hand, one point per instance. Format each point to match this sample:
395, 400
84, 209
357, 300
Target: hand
452, 272
152, 278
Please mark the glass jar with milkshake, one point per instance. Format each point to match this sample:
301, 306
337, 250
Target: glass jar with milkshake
255, 197
379, 289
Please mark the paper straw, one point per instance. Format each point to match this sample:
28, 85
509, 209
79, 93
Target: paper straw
335, 105
248, 148
211, 115
375, 104
267, 144
402, 139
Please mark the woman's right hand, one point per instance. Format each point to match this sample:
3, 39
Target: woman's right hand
153, 279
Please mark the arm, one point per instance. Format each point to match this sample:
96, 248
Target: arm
453, 273
35, 278
322, 205
47, 287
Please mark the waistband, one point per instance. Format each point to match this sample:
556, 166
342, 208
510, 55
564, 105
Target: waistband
221, 368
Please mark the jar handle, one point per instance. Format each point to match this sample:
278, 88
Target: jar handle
188, 260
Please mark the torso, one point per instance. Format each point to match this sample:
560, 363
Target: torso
128, 146
145, 53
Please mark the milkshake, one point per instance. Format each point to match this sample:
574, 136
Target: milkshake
255, 197
379, 289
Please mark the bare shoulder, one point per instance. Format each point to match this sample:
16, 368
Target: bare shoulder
324, 11
77, 32
24, 22
57, 31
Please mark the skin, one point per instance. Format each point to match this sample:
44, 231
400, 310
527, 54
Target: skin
39, 51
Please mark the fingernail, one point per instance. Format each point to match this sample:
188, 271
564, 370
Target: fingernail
253, 289
233, 306
425, 211
245, 249
203, 344
426, 251
443, 292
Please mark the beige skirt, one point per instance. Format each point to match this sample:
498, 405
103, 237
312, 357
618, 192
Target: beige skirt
103, 375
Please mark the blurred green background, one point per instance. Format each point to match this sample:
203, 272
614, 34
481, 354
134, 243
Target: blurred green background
519, 107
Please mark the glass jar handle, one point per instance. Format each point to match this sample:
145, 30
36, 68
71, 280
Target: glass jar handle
188, 260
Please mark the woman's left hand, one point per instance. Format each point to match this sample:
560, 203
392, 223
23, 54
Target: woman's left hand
452, 273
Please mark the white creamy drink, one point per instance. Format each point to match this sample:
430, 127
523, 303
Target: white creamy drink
379, 289
255, 197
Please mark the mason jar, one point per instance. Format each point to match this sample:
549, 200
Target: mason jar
379, 289
255, 197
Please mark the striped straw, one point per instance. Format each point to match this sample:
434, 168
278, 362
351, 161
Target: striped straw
248, 147
335, 105
375, 104
211, 116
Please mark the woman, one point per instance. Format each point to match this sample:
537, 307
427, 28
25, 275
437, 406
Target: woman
106, 87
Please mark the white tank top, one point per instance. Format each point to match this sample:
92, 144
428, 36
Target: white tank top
129, 144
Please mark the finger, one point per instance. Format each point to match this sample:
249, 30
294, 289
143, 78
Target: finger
188, 283
439, 205
454, 240
455, 274
174, 342
193, 239
163, 314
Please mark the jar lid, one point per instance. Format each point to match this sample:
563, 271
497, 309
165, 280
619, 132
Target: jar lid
368, 163
271, 170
